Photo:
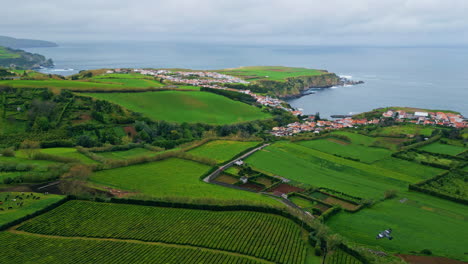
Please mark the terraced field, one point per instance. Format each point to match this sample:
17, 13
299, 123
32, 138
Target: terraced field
222, 150
190, 107
260, 235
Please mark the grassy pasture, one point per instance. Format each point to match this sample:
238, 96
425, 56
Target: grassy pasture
173, 178
69, 153
407, 167
110, 81
261, 235
127, 154
222, 150
27, 248
190, 107
320, 169
25, 161
355, 151
30, 205
356, 138
404, 130
438, 147
276, 73
420, 222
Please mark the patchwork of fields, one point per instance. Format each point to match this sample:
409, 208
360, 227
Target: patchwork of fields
320, 169
417, 219
190, 107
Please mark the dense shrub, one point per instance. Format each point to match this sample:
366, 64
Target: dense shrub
8, 152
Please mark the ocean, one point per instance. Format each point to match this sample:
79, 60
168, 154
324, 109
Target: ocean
425, 77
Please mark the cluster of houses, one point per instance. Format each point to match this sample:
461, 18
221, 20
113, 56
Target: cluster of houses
427, 118
198, 78
421, 118
211, 80
317, 126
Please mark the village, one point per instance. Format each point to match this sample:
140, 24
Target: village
213, 80
209, 80
399, 116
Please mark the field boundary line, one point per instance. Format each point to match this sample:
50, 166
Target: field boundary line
15, 231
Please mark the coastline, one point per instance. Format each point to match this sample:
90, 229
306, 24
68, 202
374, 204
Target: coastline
343, 82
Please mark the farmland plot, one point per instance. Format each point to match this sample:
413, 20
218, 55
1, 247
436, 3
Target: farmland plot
261, 235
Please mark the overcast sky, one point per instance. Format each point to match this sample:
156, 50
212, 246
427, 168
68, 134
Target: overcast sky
368, 22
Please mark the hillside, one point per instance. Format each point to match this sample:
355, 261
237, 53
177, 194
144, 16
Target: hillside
24, 43
282, 81
20, 59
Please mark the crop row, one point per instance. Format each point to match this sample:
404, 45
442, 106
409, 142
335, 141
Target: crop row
265, 236
341, 257
20, 248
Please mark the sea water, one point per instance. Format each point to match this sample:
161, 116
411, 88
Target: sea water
426, 77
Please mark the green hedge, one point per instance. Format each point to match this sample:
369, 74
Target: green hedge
329, 213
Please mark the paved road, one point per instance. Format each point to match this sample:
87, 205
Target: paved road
214, 174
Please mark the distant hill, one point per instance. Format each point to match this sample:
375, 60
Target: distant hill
20, 59
24, 43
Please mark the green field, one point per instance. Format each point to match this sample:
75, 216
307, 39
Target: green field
261, 235
29, 206
190, 107
277, 73
320, 169
127, 154
351, 150
438, 147
25, 161
404, 130
173, 178
30, 248
222, 150
408, 167
420, 222
109, 81
5, 54
69, 153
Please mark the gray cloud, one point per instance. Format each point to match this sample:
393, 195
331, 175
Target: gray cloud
379, 22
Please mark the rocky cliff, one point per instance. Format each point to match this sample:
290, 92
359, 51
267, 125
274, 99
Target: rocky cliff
295, 86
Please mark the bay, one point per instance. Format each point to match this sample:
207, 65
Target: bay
426, 77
